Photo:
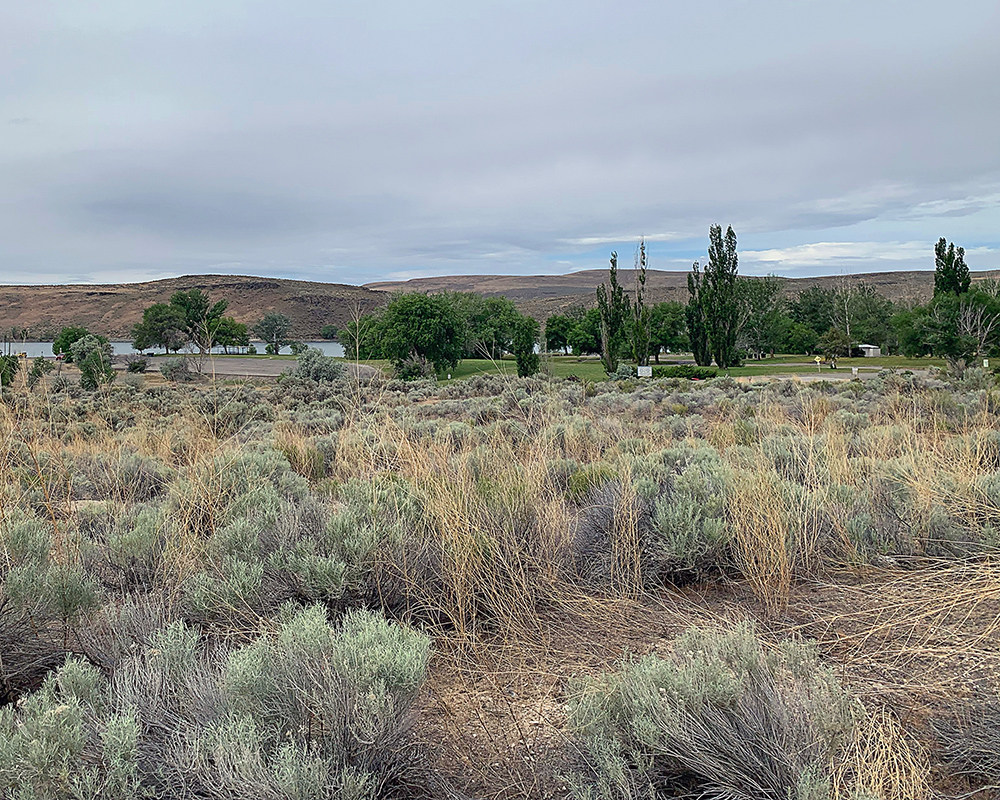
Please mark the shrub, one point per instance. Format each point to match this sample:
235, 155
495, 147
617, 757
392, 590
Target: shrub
688, 537
298, 348
39, 368
412, 369
9, 366
136, 364
94, 358
720, 717
313, 365
308, 711
687, 371
623, 372
177, 370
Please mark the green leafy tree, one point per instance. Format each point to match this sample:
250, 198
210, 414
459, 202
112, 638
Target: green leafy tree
421, 328
231, 335
64, 341
667, 328
201, 316
961, 328
696, 315
794, 337
94, 358
526, 333
558, 329
362, 337
761, 300
614, 308
328, 332
487, 323
835, 343
863, 314
908, 325
273, 328
585, 338
163, 325
724, 310
9, 366
641, 335
813, 307
951, 275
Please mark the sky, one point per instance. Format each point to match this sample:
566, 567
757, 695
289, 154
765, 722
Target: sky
349, 141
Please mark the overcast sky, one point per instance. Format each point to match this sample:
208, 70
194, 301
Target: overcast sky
358, 141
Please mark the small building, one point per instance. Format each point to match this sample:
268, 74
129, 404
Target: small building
870, 350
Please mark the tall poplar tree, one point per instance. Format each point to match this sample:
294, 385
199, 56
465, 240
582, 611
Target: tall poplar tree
697, 317
951, 275
641, 313
613, 306
724, 306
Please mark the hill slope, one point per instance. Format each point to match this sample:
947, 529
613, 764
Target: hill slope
113, 309
541, 295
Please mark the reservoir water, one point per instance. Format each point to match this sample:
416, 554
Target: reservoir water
35, 349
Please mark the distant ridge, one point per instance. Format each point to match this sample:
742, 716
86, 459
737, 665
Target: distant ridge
541, 295
112, 309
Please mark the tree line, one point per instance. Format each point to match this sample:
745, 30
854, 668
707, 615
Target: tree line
423, 335
729, 317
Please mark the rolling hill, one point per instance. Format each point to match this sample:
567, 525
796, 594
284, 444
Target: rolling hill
542, 295
113, 309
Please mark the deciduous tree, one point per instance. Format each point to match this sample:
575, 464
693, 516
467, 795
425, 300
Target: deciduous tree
64, 341
667, 328
641, 336
696, 314
614, 310
723, 309
273, 328
424, 328
951, 275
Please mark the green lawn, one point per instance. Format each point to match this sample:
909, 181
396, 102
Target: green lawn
560, 366
589, 368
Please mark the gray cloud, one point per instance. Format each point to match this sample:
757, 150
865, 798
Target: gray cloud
354, 141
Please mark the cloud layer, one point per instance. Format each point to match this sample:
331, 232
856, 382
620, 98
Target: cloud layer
353, 142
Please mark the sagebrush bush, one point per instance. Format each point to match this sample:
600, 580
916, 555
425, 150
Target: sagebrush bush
159, 531
313, 365
720, 717
177, 370
308, 711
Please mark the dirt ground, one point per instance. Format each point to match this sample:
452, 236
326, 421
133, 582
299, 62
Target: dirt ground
919, 643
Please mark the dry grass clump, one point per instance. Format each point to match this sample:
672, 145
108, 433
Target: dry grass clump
970, 740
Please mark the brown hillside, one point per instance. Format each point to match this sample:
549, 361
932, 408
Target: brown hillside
113, 309
541, 295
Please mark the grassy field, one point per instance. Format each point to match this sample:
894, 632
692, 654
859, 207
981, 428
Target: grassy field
500, 587
589, 369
